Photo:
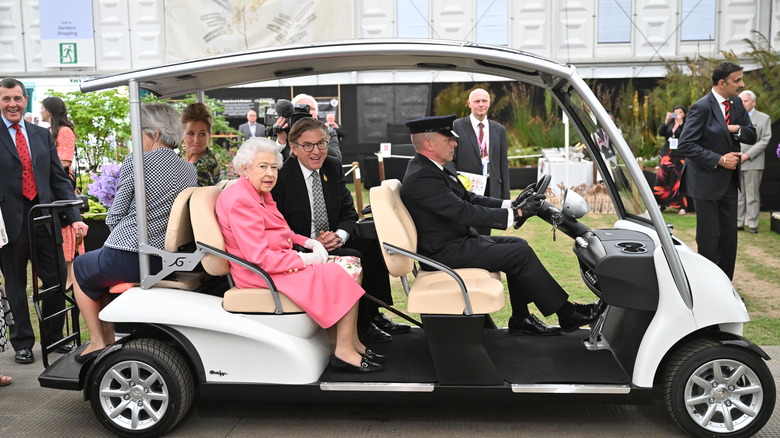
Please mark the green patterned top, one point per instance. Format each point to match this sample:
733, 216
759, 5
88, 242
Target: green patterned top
208, 168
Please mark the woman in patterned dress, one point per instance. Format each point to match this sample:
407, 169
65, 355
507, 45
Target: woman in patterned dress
166, 175
54, 112
667, 182
255, 230
196, 121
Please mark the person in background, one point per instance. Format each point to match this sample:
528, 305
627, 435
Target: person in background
54, 112
752, 165
196, 120
330, 123
667, 181
716, 124
32, 175
166, 175
334, 147
251, 128
28, 117
255, 230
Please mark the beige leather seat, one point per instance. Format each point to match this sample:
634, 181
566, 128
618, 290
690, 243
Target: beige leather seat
206, 230
443, 292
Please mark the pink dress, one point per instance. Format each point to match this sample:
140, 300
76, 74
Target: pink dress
66, 147
255, 230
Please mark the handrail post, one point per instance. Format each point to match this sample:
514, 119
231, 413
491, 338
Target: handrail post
381, 163
358, 189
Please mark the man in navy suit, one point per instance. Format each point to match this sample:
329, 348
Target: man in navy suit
482, 149
32, 175
294, 196
710, 141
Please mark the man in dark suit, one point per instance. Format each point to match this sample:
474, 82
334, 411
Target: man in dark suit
445, 215
251, 128
295, 196
482, 149
710, 141
33, 175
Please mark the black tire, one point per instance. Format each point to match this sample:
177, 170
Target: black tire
729, 386
142, 390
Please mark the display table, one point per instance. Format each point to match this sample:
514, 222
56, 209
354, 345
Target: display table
579, 172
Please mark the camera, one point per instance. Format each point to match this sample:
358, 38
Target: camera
673, 115
283, 108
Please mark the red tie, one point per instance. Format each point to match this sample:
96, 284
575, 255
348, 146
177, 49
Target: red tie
727, 115
29, 189
481, 139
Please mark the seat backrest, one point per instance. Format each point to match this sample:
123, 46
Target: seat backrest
179, 231
206, 228
394, 225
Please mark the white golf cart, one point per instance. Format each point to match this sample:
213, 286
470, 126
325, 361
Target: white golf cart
673, 321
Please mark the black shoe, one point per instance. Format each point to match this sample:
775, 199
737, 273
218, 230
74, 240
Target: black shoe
24, 355
373, 357
740, 228
376, 334
531, 325
388, 326
754, 231
81, 358
65, 349
584, 314
366, 366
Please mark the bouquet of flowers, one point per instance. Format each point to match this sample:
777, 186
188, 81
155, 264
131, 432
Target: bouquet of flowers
104, 184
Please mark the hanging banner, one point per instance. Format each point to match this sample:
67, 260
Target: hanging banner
67, 35
217, 27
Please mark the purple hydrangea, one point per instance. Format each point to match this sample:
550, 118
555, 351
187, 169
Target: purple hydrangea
104, 184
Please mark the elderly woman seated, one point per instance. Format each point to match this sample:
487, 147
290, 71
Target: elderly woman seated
254, 229
166, 175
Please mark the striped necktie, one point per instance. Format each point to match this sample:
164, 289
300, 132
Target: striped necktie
727, 115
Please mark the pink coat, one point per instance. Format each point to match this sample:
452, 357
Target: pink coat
256, 231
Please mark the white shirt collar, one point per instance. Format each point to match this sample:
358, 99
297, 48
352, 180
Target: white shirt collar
475, 122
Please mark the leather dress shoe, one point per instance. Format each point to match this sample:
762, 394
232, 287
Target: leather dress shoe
742, 228
24, 355
365, 367
376, 334
754, 231
387, 325
373, 357
64, 349
584, 314
531, 325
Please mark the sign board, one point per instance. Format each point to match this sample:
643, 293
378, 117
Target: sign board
67, 34
385, 149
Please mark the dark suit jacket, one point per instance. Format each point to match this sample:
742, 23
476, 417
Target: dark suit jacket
468, 157
53, 184
444, 213
292, 198
705, 139
246, 133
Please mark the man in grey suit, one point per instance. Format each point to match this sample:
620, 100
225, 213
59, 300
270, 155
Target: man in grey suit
482, 148
715, 126
748, 202
251, 128
32, 174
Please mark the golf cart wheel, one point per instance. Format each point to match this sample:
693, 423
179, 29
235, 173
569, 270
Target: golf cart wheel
714, 390
143, 390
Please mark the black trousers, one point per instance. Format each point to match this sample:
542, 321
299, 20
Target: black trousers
716, 229
13, 262
376, 279
527, 279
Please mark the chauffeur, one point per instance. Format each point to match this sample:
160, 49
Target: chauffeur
445, 215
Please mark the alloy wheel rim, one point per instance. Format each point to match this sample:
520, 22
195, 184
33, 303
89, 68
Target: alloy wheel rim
134, 395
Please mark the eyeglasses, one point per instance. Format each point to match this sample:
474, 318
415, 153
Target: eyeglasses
308, 147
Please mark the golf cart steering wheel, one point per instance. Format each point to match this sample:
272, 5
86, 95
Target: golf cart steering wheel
542, 184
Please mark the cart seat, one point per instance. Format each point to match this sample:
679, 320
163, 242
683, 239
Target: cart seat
206, 230
432, 292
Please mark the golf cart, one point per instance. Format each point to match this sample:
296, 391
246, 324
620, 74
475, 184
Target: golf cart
672, 324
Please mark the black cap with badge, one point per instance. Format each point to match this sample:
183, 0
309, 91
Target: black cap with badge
440, 124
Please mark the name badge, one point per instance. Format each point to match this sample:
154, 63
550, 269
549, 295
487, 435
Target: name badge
485, 167
672, 143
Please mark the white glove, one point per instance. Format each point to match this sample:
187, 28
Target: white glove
317, 248
311, 258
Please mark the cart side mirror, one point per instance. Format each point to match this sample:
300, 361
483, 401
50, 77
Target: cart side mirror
573, 205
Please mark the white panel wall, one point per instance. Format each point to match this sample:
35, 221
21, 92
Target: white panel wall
12, 53
112, 48
531, 26
376, 18
574, 31
453, 20
32, 35
774, 37
147, 32
658, 20
739, 18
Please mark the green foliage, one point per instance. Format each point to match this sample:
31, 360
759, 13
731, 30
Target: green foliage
101, 122
766, 81
452, 100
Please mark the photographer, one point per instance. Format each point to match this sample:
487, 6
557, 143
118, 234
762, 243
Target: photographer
281, 127
667, 182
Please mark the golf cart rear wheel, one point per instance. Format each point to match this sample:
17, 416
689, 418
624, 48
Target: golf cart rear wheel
714, 390
143, 390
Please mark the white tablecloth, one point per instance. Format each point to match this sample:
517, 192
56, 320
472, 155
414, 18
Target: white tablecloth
579, 172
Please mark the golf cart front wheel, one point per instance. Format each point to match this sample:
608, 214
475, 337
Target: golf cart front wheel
143, 390
714, 390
